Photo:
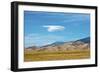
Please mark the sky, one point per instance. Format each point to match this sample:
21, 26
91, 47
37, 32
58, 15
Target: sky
42, 28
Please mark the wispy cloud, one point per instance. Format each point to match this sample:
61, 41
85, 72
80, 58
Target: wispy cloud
52, 28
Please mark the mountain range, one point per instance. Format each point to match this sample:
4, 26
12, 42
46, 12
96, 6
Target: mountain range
80, 44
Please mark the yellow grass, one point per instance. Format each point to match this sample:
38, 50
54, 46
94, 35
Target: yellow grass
32, 55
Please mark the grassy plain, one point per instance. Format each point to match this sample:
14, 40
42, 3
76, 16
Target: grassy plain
31, 55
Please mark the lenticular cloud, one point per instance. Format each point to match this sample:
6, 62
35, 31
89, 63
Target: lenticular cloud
52, 28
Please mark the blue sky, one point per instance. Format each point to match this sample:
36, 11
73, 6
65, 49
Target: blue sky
42, 28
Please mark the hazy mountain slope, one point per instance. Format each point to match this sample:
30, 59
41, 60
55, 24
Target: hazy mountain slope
85, 40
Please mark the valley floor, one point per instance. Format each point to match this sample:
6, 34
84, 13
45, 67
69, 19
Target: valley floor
32, 55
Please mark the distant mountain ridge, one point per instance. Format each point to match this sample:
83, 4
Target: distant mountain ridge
54, 44
85, 40
71, 45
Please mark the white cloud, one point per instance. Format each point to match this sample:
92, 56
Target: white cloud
52, 28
